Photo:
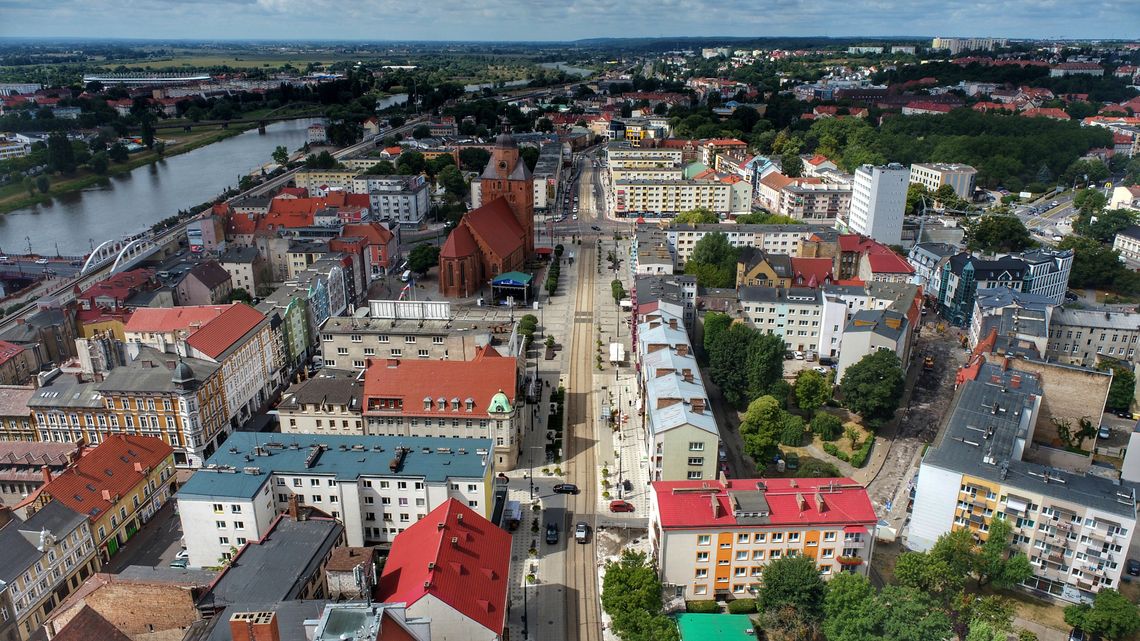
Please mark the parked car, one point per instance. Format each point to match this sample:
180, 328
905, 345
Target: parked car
581, 532
789, 356
1104, 432
792, 461
180, 563
1125, 414
621, 506
799, 355
566, 488
41, 261
551, 533
595, 228
1133, 567
821, 369
627, 485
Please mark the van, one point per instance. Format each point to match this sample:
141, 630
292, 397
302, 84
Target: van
406, 275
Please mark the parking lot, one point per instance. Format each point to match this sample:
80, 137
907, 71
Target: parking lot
156, 543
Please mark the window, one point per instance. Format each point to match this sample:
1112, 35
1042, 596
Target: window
224, 540
702, 573
221, 525
240, 540
696, 460
829, 536
703, 539
410, 340
423, 353
793, 537
342, 351
396, 353
296, 482
702, 557
218, 509
694, 476
777, 537
742, 555
759, 537
696, 446
239, 525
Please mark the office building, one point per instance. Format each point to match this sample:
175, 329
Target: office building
878, 201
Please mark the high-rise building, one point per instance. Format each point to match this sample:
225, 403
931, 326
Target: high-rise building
958, 45
878, 201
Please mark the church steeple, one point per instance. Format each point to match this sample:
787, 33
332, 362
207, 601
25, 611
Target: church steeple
507, 176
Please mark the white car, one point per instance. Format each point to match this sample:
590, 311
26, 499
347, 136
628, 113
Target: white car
799, 356
41, 261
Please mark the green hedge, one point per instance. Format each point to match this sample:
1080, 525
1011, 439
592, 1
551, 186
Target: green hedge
831, 449
742, 606
859, 457
702, 607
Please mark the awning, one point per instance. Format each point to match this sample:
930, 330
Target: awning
1016, 504
855, 529
543, 251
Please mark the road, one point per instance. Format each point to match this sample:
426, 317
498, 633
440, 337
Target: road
583, 602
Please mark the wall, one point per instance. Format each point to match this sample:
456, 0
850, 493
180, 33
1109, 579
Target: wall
675, 453
447, 624
1070, 393
136, 608
936, 495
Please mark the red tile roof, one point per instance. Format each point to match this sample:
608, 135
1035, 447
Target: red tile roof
495, 224
682, 504
459, 243
818, 160
298, 192
412, 381
926, 105
776, 181
726, 142
8, 351
169, 319
218, 335
890, 263
1047, 112
120, 286
374, 233
812, 272
458, 557
112, 469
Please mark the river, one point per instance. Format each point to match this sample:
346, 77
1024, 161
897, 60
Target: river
132, 202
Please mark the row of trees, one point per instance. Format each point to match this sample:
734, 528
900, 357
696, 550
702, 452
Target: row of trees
713, 261
743, 362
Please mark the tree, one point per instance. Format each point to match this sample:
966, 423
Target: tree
1123, 389
760, 428
147, 131
827, 426
631, 595
911, 615
873, 387
698, 216
1103, 225
99, 163
915, 193
30, 185
993, 562
281, 155
981, 630
728, 363
812, 390
421, 131
929, 574
410, 163
617, 290
323, 160
1098, 266
849, 609
239, 294
43, 184
439, 163
791, 429
529, 156
423, 257
473, 158
793, 581
715, 324
792, 165
997, 233
382, 168
61, 157
452, 182
1111, 615
713, 261
765, 364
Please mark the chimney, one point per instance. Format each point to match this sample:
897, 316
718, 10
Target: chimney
672, 323
687, 374
683, 349
46, 471
254, 626
80, 449
698, 405
715, 505
293, 506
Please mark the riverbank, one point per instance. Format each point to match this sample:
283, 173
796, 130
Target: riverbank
13, 197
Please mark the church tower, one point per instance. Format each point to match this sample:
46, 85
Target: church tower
507, 175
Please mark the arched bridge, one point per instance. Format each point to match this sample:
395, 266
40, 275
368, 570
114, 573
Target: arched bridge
125, 253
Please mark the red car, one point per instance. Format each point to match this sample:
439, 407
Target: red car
621, 506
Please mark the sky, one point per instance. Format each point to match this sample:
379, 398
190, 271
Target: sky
514, 20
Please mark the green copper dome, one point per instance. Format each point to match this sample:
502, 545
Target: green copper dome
500, 404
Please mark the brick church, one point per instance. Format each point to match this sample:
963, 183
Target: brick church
497, 237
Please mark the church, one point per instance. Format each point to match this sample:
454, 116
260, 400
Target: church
497, 237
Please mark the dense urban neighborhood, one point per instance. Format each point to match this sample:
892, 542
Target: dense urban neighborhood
625, 340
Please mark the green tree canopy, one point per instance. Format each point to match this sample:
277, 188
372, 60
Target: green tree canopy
1098, 266
1122, 392
631, 595
994, 562
698, 216
793, 581
713, 261
911, 615
382, 168
873, 387
410, 163
61, 157
452, 182
761, 426
423, 257
792, 165
997, 233
812, 390
1111, 615
850, 610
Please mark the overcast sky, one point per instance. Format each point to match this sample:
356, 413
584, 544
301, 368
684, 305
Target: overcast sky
565, 20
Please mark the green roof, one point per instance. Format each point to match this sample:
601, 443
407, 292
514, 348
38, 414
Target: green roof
513, 277
694, 168
715, 627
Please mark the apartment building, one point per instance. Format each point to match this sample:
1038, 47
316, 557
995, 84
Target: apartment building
375, 485
1085, 336
651, 253
16, 422
17, 363
776, 239
1043, 272
962, 178
795, 313
659, 174
119, 484
328, 403
878, 201
1127, 243
348, 343
958, 45
1015, 316
1074, 527
23, 466
47, 555
448, 399
665, 197
622, 154
318, 182
926, 259
816, 203
711, 539
682, 434
870, 331
396, 200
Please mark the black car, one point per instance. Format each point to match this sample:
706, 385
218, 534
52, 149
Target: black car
551, 533
627, 485
566, 488
595, 228
1133, 567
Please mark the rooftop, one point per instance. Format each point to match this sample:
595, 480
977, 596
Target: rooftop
14, 400
1097, 318
762, 502
987, 430
328, 387
245, 462
114, 468
19, 538
278, 566
457, 556
465, 387
715, 627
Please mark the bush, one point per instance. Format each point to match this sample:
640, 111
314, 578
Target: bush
859, 457
742, 606
704, 607
792, 433
827, 426
831, 449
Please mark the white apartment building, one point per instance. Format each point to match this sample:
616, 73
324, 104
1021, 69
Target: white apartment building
1127, 242
958, 45
933, 175
375, 485
397, 200
622, 154
777, 239
647, 173
821, 203
665, 197
878, 201
795, 313
13, 148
